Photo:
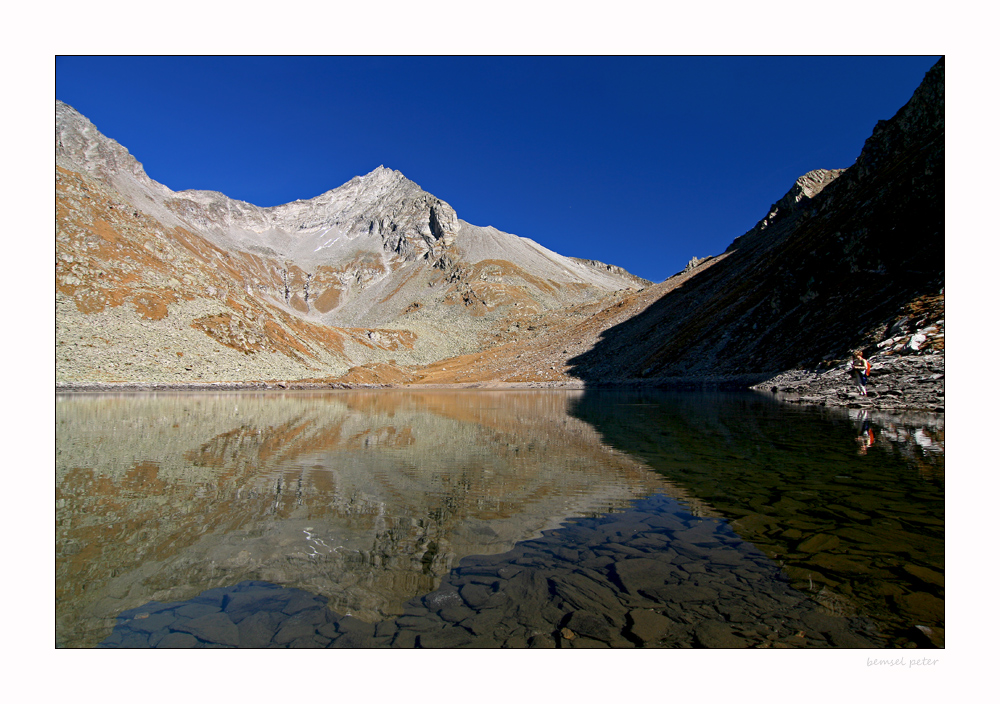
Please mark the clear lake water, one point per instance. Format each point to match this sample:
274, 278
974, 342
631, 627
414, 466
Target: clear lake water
494, 518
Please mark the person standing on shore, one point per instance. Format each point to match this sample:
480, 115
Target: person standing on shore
860, 369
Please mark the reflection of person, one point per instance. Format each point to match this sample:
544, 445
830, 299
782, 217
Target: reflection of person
860, 368
866, 437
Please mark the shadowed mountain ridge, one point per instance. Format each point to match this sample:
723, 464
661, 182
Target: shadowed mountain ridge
829, 269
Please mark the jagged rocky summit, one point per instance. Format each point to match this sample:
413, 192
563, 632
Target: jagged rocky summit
157, 285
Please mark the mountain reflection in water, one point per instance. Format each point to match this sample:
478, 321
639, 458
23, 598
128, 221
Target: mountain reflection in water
367, 498
489, 518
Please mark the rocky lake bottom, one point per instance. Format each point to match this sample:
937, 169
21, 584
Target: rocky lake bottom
650, 576
474, 519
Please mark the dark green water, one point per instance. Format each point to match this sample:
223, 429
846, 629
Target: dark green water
850, 503
494, 519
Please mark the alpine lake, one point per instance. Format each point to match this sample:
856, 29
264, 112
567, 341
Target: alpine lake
494, 518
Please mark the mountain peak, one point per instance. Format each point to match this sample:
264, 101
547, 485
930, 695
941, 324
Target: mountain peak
382, 172
270, 287
380, 175
81, 147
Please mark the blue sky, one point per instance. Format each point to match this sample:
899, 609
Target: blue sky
642, 162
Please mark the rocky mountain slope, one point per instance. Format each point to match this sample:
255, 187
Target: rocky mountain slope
154, 285
378, 282
849, 258
830, 268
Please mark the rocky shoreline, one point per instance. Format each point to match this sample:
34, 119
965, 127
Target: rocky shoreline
128, 386
897, 383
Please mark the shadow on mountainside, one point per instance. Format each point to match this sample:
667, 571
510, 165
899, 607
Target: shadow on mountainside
820, 276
